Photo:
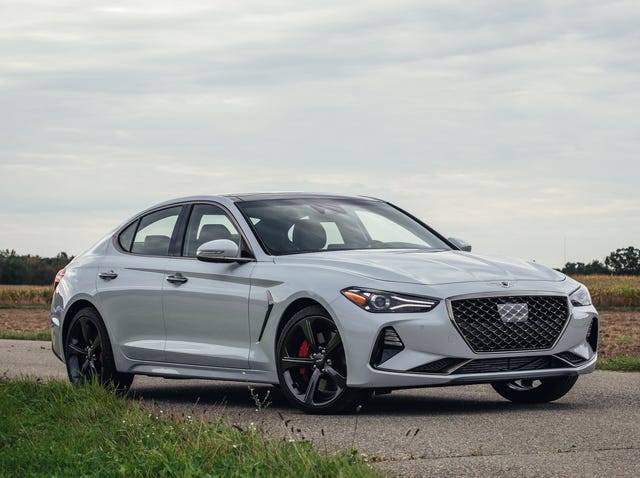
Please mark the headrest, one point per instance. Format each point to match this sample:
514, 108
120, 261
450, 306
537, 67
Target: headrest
211, 232
309, 235
156, 244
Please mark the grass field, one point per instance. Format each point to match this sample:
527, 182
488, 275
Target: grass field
56, 429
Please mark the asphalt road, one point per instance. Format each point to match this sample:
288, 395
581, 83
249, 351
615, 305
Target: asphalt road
455, 431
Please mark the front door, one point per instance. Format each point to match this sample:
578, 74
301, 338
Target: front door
206, 304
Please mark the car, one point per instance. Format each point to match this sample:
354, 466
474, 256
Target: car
330, 298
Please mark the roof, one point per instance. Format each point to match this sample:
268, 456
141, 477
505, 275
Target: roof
289, 195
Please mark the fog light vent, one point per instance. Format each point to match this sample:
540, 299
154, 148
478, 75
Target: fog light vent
592, 335
390, 338
388, 345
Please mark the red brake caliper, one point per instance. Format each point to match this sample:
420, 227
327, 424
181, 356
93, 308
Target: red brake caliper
304, 352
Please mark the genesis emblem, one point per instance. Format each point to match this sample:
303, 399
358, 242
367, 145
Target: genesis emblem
513, 313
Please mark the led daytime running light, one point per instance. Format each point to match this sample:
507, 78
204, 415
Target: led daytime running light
378, 301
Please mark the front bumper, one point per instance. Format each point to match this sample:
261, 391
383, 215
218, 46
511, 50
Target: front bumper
432, 338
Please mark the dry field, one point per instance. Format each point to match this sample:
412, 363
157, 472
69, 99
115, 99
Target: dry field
25, 294
613, 291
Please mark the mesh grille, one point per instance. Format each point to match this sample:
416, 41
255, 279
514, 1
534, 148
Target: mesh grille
439, 366
501, 324
493, 365
511, 364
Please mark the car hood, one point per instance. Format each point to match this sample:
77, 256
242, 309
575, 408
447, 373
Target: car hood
426, 267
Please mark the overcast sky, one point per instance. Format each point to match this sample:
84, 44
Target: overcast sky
514, 125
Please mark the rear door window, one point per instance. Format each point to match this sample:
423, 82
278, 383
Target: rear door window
154, 233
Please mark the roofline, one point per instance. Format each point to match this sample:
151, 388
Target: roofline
229, 199
240, 197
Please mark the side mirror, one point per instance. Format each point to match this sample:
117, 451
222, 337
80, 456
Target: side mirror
460, 244
220, 250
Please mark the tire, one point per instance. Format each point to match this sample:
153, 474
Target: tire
88, 353
541, 390
311, 365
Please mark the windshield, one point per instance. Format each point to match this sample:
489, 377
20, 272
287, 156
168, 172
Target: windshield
293, 226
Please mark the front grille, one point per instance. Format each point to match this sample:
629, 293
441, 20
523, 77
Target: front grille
510, 323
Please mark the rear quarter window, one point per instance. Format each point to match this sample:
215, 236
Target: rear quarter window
125, 239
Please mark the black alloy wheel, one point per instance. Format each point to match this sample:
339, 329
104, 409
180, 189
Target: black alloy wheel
311, 364
88, 353
541, 390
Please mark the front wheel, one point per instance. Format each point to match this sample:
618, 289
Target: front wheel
312, 367
541, 390
88, 353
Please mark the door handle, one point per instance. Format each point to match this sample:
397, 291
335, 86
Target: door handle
177, 278
107, 275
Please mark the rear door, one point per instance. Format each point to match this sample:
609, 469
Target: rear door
130, 282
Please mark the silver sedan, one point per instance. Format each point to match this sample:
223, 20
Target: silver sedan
331, 297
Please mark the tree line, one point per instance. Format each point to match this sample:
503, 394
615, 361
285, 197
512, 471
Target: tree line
623, 261
30, 270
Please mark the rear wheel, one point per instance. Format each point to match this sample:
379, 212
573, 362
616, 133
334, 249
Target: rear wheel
312, 367
541, 390
88, 352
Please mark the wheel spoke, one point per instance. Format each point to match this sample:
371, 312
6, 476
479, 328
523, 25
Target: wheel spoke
85, 366
76, 349
333, 343
338, 379
311, 387
291, 362
305, 325
96, 343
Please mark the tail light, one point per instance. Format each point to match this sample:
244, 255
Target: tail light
58, 278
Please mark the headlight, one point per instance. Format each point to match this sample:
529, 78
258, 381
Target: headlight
580, 296
379, 301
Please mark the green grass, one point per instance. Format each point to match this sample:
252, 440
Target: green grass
619, 364
25, 335
58, 430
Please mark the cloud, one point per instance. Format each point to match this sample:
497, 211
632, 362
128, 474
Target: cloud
512, 124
